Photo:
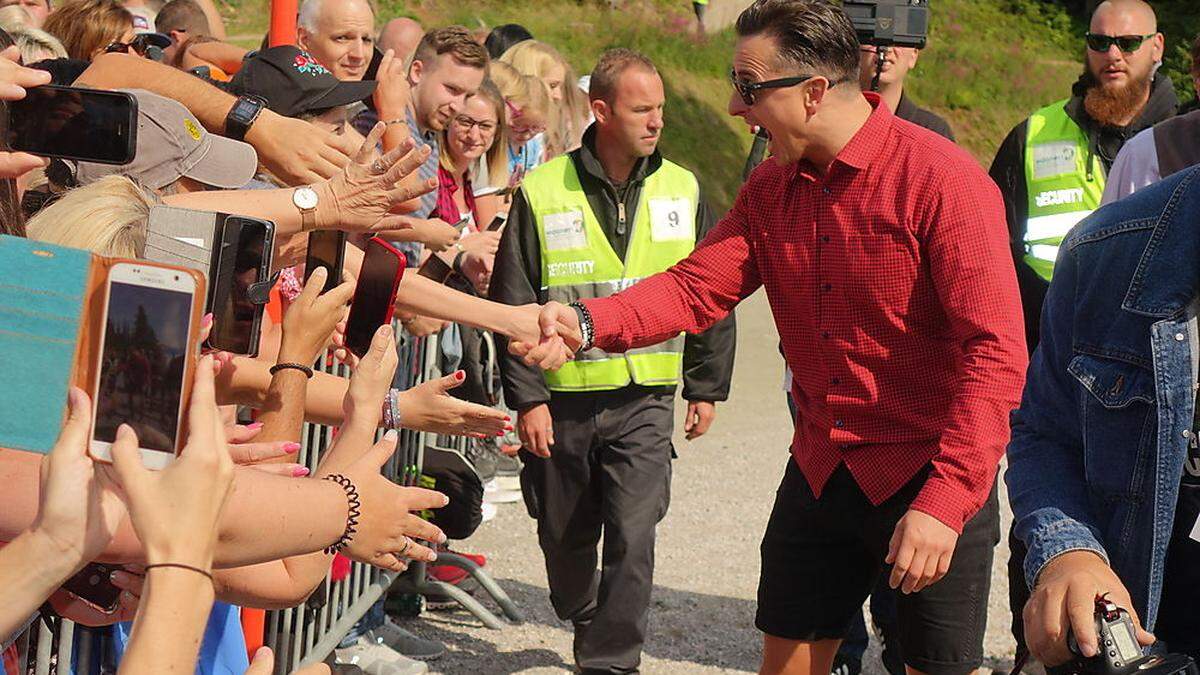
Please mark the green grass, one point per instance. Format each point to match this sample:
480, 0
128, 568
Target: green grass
990, 63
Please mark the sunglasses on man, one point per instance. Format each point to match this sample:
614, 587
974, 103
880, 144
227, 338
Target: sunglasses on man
747, 89
1128, 44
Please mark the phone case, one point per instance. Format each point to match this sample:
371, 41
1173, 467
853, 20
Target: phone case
183, 237
51, 322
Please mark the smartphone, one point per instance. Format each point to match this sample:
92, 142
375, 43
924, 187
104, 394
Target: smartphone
375, 297
326, 248
243, 261
497, 222
144, 360
462, 223
73, 123
93, 584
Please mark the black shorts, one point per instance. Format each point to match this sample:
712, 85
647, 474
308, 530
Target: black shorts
821, 558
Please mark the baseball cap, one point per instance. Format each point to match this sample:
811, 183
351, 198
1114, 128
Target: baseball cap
293, 83
171, 143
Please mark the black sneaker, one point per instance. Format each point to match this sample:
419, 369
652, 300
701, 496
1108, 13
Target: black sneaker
844, 665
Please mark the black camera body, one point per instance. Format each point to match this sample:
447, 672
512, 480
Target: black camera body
890, 23
1120, 653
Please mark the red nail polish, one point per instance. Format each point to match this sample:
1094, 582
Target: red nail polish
300, 472
507, 418
291, 447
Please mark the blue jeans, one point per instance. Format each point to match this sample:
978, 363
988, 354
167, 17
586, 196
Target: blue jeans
373, 619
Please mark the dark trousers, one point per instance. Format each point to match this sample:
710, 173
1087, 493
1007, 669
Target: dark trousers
609, 475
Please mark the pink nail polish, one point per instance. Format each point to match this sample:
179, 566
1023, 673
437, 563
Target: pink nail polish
254, 426
300, 472
291, 448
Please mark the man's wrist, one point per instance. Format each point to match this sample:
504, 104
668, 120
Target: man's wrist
326, 214
58, 559
587, 327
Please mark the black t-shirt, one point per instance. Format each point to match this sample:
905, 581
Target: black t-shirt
1179, 613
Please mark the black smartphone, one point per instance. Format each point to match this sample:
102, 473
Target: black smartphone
326, 248
497, 222
243, 261
73, 123
375, 296
93, 584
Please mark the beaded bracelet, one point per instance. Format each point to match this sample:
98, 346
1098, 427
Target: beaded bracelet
586, 325
308, 372
391, 410
353, 512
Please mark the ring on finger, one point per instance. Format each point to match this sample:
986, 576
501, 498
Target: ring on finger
377, 167
403, 551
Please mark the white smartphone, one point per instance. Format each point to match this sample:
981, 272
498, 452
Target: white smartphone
143, 360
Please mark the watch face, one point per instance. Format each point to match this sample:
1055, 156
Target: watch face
305, 198
244, 109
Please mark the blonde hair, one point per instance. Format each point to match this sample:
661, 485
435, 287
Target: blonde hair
35, 43
108, 217
568, 118
529, 94
14, 17
496, 157
86, 27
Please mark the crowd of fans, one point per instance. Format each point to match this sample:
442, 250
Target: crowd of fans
485, 153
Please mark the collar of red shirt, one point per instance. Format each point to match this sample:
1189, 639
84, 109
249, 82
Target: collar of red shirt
863, 147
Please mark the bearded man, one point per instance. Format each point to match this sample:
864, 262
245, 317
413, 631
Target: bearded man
1052, 168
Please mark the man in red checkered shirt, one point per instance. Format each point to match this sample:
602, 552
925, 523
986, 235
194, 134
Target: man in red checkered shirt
884, 253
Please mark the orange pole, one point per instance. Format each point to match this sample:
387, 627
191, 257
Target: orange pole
283, 22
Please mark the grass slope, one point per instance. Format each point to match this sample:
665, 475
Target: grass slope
989, 64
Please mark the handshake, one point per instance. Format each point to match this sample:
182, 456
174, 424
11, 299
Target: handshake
547, 335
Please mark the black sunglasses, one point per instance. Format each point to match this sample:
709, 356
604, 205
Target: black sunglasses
746, 89
139, 44
1126, 43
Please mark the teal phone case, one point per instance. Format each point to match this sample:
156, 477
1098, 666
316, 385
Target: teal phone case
43, 291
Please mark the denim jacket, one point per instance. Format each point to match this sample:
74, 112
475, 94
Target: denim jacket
1099, 441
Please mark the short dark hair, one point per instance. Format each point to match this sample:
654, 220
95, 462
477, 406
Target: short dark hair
814, 36
502, 37
183, 15
454, 40
607, 73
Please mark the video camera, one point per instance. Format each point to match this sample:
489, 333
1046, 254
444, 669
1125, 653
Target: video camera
1120, 653
890, 23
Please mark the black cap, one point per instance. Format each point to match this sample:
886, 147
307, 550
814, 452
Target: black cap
293, 83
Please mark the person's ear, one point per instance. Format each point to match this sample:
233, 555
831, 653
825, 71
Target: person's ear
415, 71
1159, 47
302, 38
815, 91
600, 110
913, 58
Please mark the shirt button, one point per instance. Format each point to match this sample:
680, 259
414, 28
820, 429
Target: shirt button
1180, 337
825, 238
825, 335
826, 287
835, 381
826, 190
838, 424
843, 446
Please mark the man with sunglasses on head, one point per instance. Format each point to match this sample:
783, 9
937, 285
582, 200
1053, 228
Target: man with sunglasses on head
596, 435
881, 250
1053, 167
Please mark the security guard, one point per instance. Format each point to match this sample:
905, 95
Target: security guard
1052, 168
596, 434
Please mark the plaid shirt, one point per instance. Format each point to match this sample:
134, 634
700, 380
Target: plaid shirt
894, 295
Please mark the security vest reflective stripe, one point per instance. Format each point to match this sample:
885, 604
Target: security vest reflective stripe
1062, 188
579, 263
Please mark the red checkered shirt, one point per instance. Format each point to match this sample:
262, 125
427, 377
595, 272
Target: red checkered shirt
894, 294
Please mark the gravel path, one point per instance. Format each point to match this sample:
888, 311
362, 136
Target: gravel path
702, 618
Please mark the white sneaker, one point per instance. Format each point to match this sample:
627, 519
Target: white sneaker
377, 659
489, 511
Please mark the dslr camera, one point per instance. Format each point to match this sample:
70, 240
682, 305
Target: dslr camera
1120, 653
890, 23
